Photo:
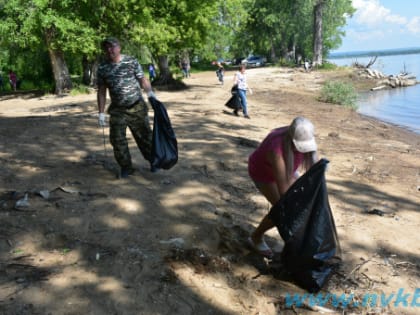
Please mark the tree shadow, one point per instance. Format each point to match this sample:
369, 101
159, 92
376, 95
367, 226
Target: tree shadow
105, 235
8, 95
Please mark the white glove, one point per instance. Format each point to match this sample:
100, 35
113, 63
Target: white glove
151, 94
101, 119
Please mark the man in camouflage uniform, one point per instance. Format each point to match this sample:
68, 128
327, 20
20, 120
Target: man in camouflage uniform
124, 77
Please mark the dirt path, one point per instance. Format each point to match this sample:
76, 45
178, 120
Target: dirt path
172, 242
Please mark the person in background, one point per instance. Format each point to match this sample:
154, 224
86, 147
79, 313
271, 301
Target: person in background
152, 72
220, 72
185, 68
12, 80
307, 65
273, 169
123, 76
240, 80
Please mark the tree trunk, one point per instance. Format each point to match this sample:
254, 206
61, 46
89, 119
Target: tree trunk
93, 77
61, 72
273, 55
318, 8
292, 52
87, 71
283, 50
165, 74
59, 67
165, 79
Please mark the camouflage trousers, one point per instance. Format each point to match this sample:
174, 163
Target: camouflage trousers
137, 120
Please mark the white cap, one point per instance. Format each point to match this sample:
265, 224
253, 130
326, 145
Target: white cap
302, 133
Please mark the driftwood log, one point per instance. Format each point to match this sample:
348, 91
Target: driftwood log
384, 81
388, 81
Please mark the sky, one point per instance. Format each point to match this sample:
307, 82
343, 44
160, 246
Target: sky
382, 24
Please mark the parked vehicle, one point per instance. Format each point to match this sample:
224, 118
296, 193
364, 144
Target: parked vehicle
254, 61
238, 60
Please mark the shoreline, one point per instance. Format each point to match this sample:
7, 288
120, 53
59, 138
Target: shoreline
387, 108
391, 124
393, 101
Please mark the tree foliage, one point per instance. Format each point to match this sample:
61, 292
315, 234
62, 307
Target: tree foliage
68, 32
285, 28
173, 28
54, 27
223, 40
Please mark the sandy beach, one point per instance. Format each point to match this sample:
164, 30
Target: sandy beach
173, 242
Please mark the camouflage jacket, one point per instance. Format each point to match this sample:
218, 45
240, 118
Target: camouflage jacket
122, 80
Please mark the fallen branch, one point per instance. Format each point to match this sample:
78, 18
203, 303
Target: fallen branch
356, 268
405, 263
380, 87
372, 61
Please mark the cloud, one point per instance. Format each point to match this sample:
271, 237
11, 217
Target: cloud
374, 26
372, 13
414, 25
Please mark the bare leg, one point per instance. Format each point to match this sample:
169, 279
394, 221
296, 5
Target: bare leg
263, 227
271, 192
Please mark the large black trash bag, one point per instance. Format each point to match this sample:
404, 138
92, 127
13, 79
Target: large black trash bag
164, 144
235, 101
304, 220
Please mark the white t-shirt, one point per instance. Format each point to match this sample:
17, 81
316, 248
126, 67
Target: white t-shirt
241, 80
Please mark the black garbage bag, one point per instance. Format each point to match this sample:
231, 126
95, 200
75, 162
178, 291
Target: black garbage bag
235, 101
304, 220
164, 144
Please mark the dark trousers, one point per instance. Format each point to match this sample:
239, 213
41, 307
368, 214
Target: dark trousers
137, 120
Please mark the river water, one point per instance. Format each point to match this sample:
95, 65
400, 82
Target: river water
399, 106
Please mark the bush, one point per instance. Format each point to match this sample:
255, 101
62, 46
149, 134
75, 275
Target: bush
39, 85
339, 93
285, 63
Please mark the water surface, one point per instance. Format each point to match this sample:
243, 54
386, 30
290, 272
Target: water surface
399, 106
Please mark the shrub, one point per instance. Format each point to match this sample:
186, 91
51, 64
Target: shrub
341, 93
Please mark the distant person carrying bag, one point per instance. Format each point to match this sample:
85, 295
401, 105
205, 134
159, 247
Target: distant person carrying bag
273, 169
240, 79
123, 77
300, 208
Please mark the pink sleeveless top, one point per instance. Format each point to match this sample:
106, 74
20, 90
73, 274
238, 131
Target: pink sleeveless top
259, 168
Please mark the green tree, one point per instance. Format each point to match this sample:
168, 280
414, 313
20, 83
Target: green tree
172, 26
274, 26
287, 27
318, 17
116, 18
51, 25
229, 21
163, 30
334, 15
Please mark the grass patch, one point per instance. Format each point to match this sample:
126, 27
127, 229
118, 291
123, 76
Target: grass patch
327, 66
79, 89
341, 93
